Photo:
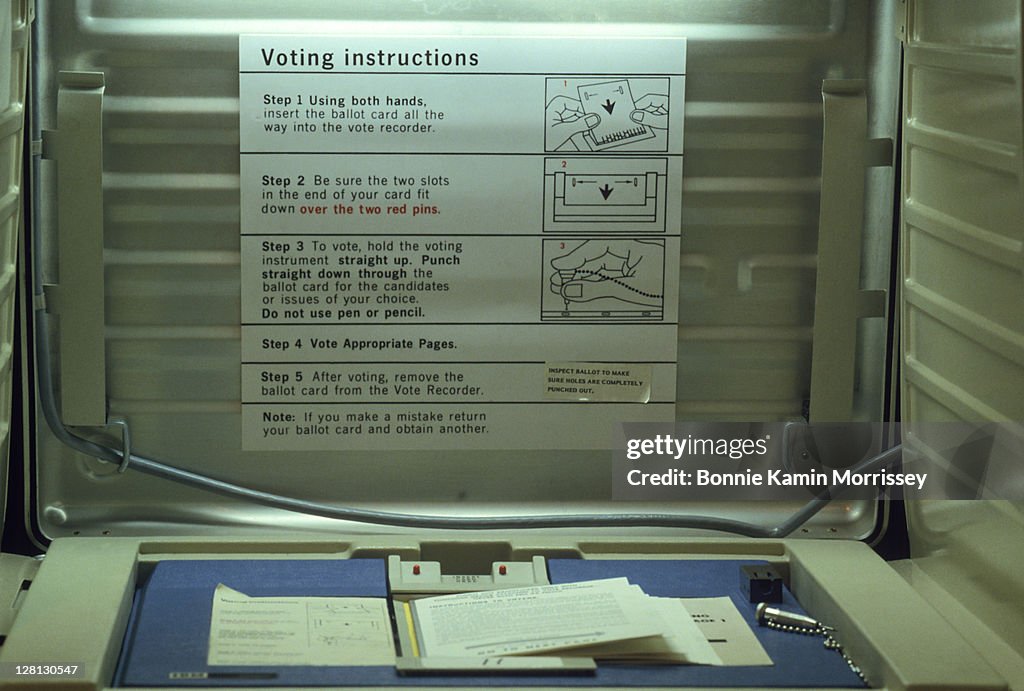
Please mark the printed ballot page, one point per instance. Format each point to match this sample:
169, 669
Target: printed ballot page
533, 620
292, 631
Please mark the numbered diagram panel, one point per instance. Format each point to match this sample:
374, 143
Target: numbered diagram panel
602, 114
607, 194
603, 279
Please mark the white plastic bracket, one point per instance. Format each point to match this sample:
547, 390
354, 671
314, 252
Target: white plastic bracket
78, 298
838, 300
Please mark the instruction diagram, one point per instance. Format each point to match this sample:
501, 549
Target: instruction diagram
600, 114
603, 279
617, 194
349, 621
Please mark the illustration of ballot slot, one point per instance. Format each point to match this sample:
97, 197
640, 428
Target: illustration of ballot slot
627, 194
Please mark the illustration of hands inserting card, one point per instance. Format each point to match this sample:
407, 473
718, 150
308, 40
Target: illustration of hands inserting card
599, 115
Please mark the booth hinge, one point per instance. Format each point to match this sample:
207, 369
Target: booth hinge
879, 153
47, 145
902, 22
872, 303
49, 300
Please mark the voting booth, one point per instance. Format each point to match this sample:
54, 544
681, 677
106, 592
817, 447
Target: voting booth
470, 344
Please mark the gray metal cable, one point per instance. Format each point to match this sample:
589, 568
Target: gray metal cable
175, 474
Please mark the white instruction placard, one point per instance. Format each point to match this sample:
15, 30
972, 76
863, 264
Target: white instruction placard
427, 223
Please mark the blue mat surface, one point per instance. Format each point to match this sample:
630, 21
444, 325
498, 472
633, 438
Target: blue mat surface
169, 630
170, 625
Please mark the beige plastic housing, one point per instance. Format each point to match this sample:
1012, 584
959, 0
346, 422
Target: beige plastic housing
951, 617
962, 246
79, 602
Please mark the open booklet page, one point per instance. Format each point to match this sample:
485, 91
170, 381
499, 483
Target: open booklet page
681, 640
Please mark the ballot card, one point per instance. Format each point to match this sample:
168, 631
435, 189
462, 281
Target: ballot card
288, 631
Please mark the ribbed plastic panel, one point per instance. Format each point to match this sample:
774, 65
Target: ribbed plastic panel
171, 196
963, 225
963, 308
14, 30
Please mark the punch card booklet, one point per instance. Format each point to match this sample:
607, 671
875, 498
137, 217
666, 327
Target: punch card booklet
605, 619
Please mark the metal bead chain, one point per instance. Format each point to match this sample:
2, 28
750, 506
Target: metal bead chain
830, 642
790, 628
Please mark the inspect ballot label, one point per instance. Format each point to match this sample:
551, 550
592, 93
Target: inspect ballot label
427, 224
